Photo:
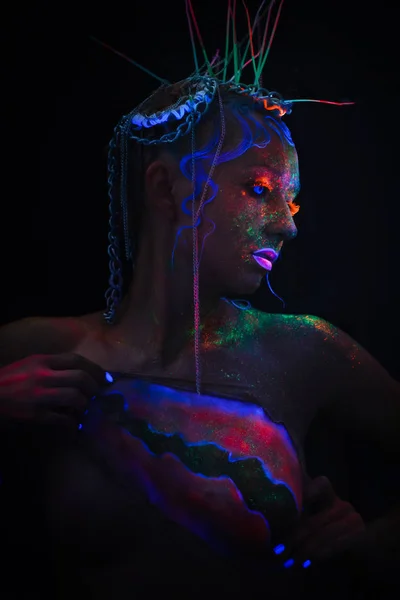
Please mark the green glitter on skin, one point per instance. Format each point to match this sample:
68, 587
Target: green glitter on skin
249, 322
252, 333
252, 321
326, 328
247, 325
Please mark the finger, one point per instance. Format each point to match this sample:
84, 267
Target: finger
310, 526
329, 538
317, 488
321, 550
341, 545
78, 379
77, 362
64, 398
318, 494
56, 419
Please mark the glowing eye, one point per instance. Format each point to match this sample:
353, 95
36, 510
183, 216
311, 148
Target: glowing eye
259, 189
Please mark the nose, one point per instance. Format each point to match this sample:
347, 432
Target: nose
280, 224
290, 232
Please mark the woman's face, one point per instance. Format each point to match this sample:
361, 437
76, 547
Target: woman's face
253, 210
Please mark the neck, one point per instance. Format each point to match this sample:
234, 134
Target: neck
157, 315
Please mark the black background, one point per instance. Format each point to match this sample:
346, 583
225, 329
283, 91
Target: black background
63, 94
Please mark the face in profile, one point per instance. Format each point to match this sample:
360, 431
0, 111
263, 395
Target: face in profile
252, 212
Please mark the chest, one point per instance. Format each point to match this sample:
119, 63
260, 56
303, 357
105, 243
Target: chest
284, 379
263, 358
151, 465
219, 470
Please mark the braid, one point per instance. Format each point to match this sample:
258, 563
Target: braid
114, 292
120, 149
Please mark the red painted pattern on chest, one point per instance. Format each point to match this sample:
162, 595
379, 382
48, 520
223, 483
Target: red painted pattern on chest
213, 507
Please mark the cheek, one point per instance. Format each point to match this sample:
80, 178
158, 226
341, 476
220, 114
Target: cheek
250, 217
237, 207
239, 217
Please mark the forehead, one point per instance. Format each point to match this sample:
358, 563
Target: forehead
277, 161
277, 154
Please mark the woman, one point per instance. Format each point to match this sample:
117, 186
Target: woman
192, 448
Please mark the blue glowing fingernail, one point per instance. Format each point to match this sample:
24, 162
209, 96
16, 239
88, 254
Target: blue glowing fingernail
279, 549
80, 426
87, 410
109, 377
306, 564
288, 563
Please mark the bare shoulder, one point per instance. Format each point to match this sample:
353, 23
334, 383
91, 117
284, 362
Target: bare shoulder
362, 398
310, 333
291, 330
43, 335
338, 348
349, 370
333, 354
303, 345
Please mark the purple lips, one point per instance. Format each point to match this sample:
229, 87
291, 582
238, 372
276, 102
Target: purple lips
267, 253
265, 257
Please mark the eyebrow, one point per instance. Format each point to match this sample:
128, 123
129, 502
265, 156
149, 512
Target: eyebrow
273, 173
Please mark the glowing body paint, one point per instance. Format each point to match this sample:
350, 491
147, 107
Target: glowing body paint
219, 467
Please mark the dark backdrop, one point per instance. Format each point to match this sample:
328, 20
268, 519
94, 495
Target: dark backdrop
63, 94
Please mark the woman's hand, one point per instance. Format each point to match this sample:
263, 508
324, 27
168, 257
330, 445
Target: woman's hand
49, 388
327, 528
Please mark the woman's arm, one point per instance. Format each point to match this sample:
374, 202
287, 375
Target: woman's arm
364, 405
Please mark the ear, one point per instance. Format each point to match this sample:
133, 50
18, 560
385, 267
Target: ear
159, 186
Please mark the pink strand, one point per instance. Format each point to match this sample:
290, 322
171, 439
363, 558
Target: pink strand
195, 23
275, 26
250, 60
266, 28
321, 101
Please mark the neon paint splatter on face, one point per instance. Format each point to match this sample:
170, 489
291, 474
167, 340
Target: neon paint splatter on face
254, 133
267, 200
